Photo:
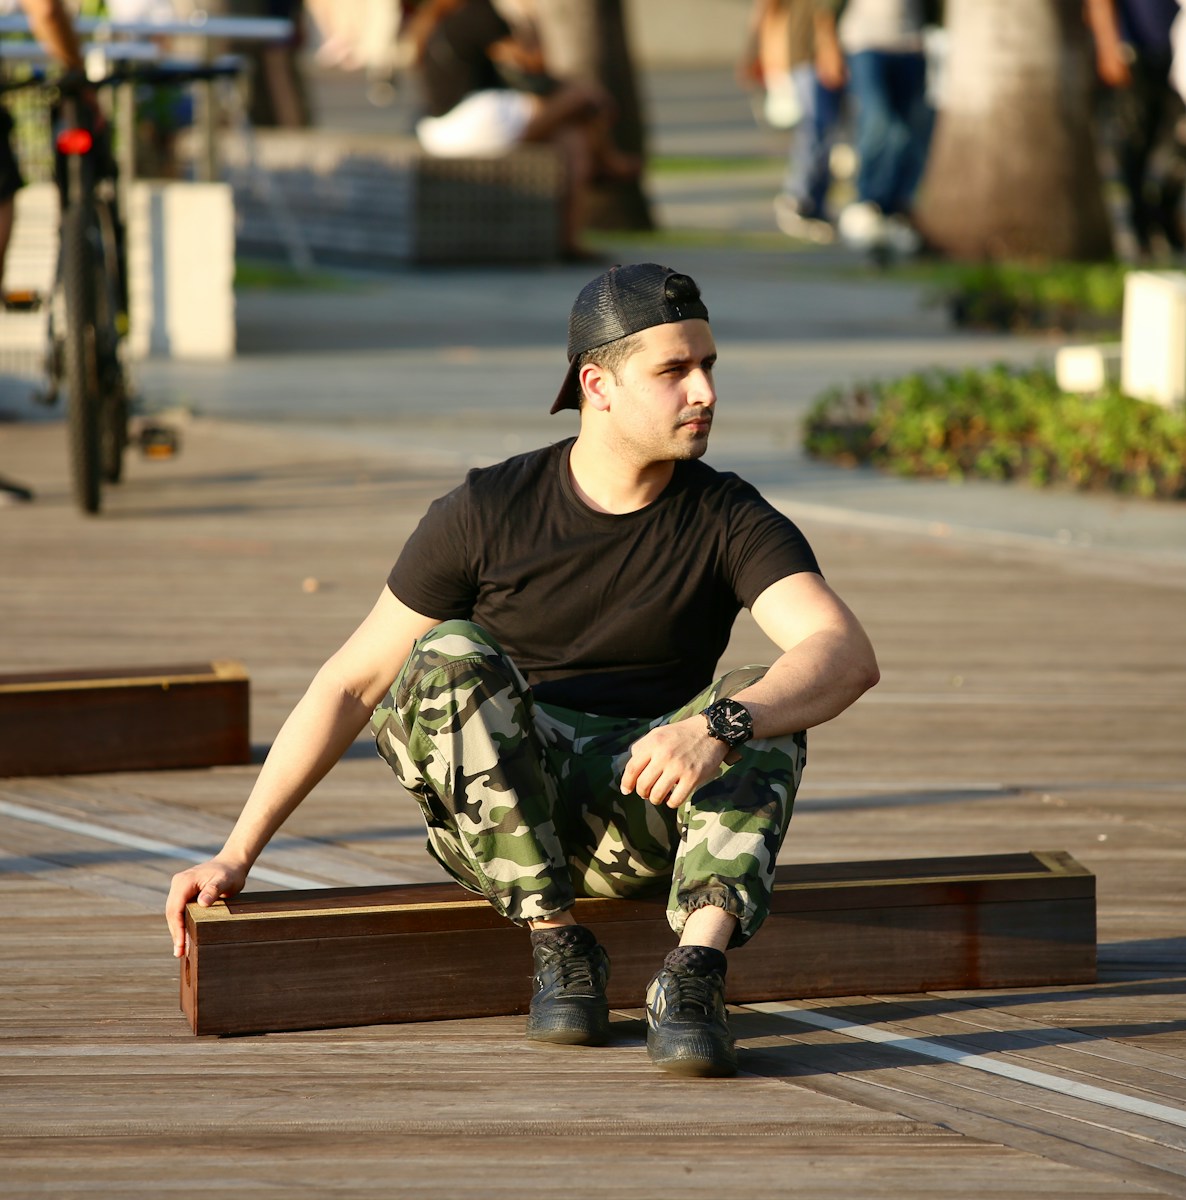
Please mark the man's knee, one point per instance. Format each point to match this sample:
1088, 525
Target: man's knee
452, 672
451, 650
457, 639
738, 680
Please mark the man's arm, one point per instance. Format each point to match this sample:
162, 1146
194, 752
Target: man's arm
1111, 59
330, 715
827, 662
51, 25
830, 67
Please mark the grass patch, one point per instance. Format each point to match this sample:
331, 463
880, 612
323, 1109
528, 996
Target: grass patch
253, 274
1003, 424
714, 164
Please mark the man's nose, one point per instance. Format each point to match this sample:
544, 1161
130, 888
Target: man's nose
701, 389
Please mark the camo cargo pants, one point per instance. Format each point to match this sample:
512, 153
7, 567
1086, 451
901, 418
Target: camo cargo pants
523, 804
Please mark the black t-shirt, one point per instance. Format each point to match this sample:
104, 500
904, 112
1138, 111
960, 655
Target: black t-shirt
623, 615
455, 61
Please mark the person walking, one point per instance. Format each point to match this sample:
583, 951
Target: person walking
1145, 115
781, 60
878, 46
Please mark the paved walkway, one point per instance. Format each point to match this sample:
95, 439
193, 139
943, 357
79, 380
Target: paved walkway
458, 366
1034, 660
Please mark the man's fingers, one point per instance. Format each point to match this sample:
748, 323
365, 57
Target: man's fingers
630, 775
187, 886
679, 794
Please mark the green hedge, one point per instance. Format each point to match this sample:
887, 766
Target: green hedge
1003, 424
1015, 296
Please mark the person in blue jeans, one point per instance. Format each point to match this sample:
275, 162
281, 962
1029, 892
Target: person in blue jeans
877, 45
781, 60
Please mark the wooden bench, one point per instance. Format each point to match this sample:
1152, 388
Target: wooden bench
361, 956
124, 719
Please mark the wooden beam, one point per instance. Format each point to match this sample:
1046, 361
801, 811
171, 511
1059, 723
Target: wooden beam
124, 719
331, 957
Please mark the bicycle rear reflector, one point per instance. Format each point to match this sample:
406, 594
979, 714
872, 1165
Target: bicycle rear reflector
158, 441
74, 141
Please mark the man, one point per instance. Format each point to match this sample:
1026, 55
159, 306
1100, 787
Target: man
878, 47
783, 61
50, 24
1134, 56
552, 628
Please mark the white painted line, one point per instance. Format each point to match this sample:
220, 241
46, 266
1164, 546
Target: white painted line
978, 1062
163, 849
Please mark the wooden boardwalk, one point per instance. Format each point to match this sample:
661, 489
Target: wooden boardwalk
1029, 701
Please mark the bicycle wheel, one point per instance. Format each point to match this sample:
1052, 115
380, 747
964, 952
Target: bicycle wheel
113, 386
80, 358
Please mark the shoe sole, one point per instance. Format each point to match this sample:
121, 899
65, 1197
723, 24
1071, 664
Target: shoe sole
570, 1029
697, 1059
693, 1067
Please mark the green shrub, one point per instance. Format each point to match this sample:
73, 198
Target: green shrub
1003, 424
1014, 296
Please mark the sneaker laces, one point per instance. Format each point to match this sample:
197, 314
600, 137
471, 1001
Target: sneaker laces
574, 970
694, 993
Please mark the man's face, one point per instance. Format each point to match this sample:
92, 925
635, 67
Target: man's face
661, 408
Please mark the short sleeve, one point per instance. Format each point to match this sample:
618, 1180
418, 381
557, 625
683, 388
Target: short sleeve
434, 573
762, 545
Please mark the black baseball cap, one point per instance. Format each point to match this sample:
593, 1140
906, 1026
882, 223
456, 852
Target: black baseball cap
623, 301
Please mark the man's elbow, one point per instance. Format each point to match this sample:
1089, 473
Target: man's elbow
866, 673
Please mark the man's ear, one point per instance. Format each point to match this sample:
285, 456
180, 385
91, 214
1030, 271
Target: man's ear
594, 380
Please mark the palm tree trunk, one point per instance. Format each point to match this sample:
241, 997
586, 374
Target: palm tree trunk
586, 39
1013, 171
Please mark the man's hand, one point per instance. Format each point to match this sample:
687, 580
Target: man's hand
830, 67
1111, 64
207, 882
668, 764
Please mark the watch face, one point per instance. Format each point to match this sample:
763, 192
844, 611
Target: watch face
730, 721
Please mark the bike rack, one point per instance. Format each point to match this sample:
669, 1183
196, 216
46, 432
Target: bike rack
106, 44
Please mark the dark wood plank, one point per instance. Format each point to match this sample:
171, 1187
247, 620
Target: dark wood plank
124, 719
995, 673
361, 956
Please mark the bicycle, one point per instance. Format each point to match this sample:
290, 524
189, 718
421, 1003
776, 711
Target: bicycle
88, 318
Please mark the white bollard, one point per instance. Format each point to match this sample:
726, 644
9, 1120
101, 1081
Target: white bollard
1087, 368
181, 270
1153, 357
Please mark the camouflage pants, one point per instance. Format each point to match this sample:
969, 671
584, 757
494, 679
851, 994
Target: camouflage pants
523, 803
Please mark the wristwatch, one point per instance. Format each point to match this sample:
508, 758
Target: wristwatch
729, 721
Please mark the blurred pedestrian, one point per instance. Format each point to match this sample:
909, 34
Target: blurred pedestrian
278, 92
878, 46
781, 60
1145, 118
487, 89
51, 24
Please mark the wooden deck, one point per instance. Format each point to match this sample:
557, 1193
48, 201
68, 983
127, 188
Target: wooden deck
1029, 700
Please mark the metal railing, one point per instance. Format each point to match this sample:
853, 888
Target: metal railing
106, 41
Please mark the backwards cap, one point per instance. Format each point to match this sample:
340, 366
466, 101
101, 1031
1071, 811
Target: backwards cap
623, 301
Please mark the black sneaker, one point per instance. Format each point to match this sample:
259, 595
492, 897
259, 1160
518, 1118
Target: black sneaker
687, 1030
568, 1005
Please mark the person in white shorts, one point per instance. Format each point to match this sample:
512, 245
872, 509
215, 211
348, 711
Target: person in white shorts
486, 91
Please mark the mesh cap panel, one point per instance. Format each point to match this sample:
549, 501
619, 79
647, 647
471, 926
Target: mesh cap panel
624, 301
